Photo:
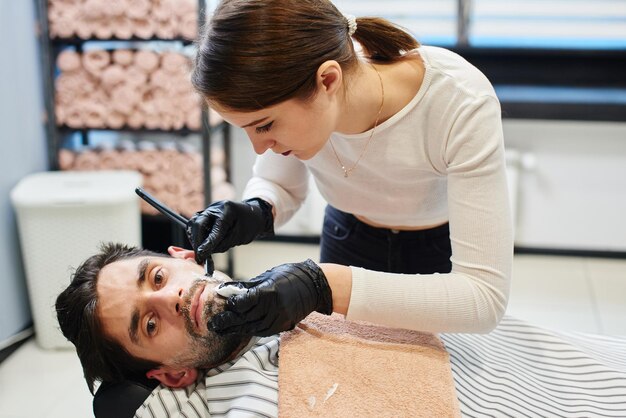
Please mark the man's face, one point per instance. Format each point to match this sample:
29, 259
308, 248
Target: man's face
157, 308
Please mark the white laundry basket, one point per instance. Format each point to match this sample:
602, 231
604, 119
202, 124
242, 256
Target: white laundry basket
62, 218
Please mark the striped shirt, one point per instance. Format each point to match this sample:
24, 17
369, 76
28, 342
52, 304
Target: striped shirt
244, 387
518, 370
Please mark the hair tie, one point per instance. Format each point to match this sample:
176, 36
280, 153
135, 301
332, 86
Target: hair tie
351, 24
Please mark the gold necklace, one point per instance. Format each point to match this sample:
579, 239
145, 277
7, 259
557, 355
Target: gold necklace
347, 171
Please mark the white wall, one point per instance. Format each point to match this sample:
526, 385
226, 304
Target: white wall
22, 148
574, 198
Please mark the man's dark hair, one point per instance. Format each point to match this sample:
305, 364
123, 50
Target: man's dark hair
102, 358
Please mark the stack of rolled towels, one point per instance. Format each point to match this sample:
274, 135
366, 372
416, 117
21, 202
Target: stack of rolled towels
172, 172
137, 89
123, 19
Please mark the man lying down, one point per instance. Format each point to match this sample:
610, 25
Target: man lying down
132, 312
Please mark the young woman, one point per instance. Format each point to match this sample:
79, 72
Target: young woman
405, 144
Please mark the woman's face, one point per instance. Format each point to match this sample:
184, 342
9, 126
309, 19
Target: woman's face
293, 127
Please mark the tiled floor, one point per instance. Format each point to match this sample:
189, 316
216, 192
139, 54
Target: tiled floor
569, 294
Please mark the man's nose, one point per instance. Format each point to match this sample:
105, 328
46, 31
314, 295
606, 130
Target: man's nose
171, 299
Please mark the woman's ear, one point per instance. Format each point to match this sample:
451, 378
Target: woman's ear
173, 378
329, 77
182, 253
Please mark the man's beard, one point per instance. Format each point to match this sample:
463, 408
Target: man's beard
206, 351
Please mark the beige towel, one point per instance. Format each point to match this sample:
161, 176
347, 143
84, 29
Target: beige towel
330, 367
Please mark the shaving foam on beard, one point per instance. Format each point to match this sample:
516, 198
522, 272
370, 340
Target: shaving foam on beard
228, 291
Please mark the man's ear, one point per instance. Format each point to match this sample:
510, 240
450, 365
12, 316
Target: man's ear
173, 378
182, 253
329, 77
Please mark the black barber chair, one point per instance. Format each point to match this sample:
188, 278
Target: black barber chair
121, 400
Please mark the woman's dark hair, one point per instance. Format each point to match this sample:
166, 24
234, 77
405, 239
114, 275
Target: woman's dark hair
257, 53
102, 358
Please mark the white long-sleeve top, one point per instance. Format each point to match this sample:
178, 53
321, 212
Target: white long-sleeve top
440, 158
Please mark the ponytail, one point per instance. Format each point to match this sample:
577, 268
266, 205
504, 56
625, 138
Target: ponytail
382, 40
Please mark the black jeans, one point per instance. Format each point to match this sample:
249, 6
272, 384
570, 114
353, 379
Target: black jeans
348, 241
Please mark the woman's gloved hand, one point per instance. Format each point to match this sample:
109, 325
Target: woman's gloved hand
275, 301
226, 224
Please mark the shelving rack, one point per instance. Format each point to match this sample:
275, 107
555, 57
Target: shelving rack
50, 49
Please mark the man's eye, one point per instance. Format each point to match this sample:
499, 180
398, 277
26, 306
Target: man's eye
264, 128
158, 278
151, 327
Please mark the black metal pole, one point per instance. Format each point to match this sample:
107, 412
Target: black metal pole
463, 22
47, 62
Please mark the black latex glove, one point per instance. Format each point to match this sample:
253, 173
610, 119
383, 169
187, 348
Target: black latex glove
226, 224
275, 301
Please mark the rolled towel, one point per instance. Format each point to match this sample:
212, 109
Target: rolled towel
147, 104
66, 159
144, 28
166, 122
132, 160
68, 61
86, 161
114, 119
169, 183
56, 11
147, 61
136, 76
169, 199
174, 63
150, 162
138, 9
59, 113
124, 99
110, 160
167, 28
79, 83
74, 115
116, 8
186, 7
191, 204
112, 76
104, 28
95, 61
195, 184
93, 9
178, 121
84, 28
94, 115
123, 57
188, 26
160, 79
194, 119
100, 97
136, 119
62, 19
189, 101
165, 10
64, 97
153, 121
63, 28
122, 27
